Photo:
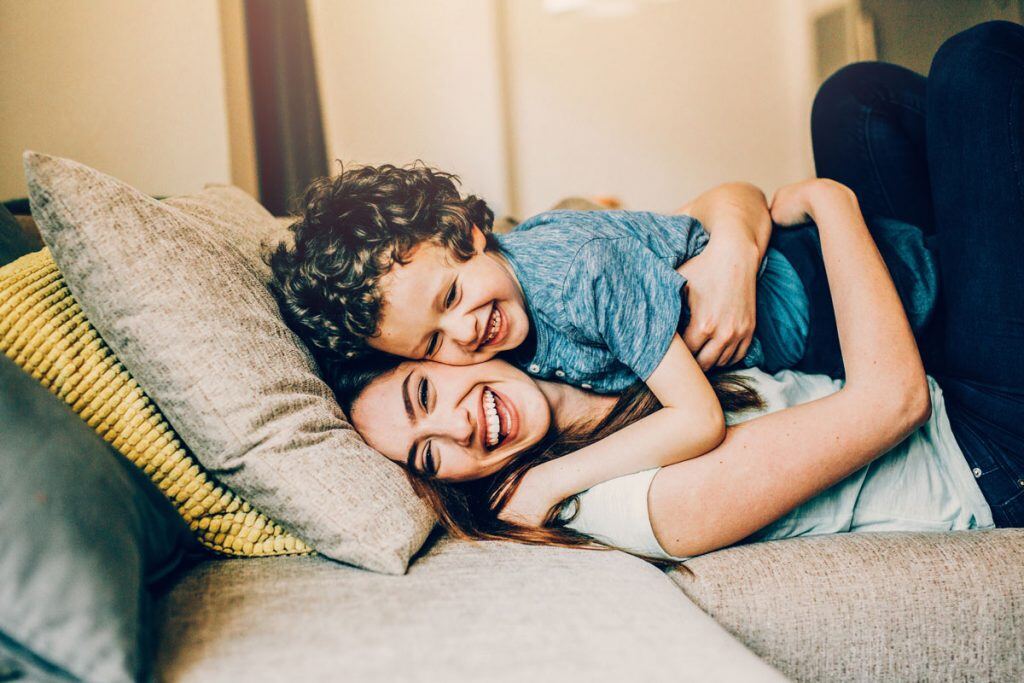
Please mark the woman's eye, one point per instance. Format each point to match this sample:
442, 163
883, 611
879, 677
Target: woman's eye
429, 463
435, 341
423, 393
450, 299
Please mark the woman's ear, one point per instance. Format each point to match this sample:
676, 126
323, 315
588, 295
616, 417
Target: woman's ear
479, 240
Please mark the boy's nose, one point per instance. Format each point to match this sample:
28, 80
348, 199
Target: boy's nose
463, 331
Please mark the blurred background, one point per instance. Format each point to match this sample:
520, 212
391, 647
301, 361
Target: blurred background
652, 101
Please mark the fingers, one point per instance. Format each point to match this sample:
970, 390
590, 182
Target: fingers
710, 354
695, 337
740, 352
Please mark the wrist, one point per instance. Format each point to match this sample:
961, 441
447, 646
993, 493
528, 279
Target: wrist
737, 249
824, 192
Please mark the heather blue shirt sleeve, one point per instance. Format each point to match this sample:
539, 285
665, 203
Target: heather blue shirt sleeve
620, 295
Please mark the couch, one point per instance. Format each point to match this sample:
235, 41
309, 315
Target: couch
858, 607
885, 606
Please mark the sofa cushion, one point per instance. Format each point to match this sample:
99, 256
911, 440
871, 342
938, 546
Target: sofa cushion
464, 612
13, 242
178, 290
82, 535
43, 330
873, 606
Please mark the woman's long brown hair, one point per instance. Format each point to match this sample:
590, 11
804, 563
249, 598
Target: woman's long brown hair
470, 510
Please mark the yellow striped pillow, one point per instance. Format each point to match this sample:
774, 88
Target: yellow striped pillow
44, 331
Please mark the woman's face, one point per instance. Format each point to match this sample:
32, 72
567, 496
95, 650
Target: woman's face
455, 423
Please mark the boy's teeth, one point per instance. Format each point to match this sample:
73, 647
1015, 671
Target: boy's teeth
493, 325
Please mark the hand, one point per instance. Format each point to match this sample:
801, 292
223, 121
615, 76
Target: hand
795, 203
530, 504
721, 290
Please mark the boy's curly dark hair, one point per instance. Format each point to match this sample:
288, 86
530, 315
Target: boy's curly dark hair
352, 229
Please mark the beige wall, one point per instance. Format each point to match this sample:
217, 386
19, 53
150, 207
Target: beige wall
654, 106
133, 87
402, 80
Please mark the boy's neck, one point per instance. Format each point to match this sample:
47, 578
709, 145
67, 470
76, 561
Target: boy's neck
500, 259
572, 407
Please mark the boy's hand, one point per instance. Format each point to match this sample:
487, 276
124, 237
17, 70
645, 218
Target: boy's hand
721, 290
531, 503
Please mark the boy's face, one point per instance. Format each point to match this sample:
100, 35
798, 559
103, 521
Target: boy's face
457, 313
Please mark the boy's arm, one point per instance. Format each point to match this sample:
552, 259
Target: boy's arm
723, 278
690, 423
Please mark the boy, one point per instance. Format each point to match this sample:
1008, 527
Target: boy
394, 259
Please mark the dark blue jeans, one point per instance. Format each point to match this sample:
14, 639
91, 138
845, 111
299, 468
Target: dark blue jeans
946, 153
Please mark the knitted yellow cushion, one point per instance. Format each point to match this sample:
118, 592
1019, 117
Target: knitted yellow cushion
44, 331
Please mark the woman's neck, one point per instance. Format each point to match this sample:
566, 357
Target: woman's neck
572, 407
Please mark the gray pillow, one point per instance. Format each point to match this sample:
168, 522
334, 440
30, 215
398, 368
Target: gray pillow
178, 290
84, 533
13, 242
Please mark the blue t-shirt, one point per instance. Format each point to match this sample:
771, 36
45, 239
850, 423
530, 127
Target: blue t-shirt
604, 298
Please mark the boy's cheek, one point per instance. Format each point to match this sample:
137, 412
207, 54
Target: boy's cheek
464, 358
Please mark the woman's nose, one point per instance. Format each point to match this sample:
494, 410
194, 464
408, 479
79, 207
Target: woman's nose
460, 427
456, 425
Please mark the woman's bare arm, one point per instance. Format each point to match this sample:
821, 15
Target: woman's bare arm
769, 465
689, 424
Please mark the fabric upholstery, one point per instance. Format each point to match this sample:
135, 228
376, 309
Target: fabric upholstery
873, 606
178, 291
44, 331
464, 612
82, 535
13, 242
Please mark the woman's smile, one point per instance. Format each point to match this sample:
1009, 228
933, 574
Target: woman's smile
499, 421
455, 422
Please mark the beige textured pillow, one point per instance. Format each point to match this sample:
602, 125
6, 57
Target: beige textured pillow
177, 289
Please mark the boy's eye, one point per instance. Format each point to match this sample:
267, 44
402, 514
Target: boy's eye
423, 393
435, 341
450, 299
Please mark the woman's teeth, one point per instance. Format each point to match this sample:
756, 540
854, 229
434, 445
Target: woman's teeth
492, 326
494, 427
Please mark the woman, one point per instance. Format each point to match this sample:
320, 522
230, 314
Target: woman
960, 471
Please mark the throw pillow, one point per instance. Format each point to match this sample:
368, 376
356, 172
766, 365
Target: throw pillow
84, 534
178, 289
13, 242
43, 330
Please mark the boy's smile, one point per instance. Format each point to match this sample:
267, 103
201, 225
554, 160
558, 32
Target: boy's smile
454, 312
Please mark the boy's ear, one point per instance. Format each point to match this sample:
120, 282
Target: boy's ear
479, 240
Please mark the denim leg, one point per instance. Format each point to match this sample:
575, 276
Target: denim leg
975, 139
868, 132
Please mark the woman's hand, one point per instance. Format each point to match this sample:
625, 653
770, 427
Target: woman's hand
530, 504
721, 292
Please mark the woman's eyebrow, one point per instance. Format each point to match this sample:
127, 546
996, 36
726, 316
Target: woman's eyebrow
405, 398
410, 460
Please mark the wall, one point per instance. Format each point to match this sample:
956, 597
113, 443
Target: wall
654, 106
133, 88
401, 81
530, 106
